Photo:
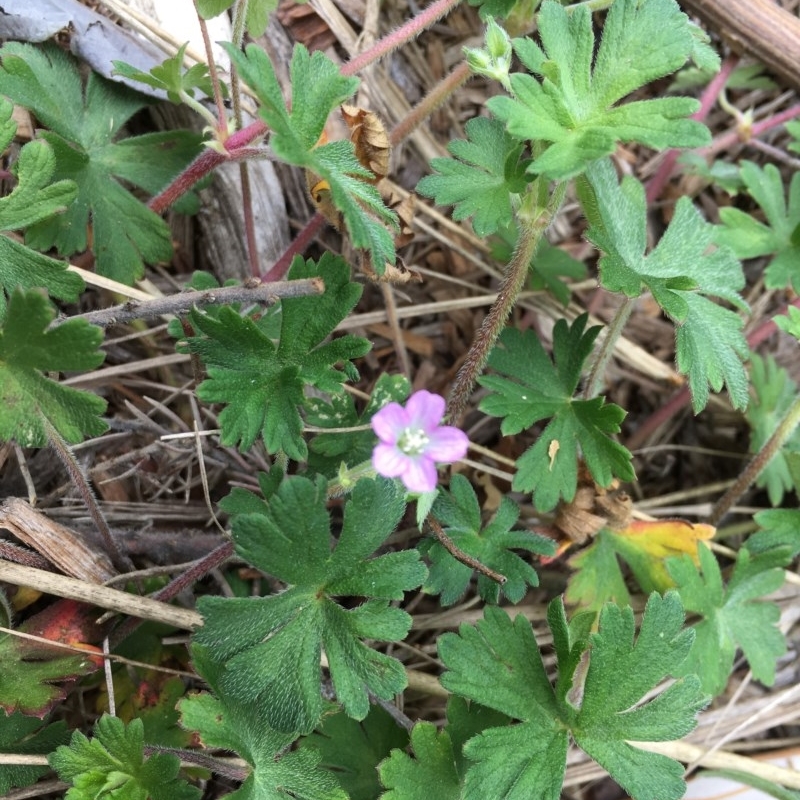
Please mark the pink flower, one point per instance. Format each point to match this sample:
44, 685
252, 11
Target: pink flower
412, 441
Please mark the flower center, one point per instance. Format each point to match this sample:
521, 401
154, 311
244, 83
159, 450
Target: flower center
413, 441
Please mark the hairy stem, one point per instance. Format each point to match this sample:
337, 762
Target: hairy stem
758, 463
606, 350
533, 224
205, 163
397, 38
239, 19
222, 116
81, 482
435, 98
194, 573
265, 293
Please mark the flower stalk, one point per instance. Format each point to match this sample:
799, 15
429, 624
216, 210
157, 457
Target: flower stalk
533, 224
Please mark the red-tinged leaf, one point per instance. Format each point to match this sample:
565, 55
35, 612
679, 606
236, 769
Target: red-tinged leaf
68, 622
32, 673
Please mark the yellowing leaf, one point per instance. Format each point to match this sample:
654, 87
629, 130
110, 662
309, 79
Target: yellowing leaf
646, 545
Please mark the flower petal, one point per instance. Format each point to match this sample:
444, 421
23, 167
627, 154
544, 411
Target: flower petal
447, 444
420, 475
389, 461
425, 410
390, 422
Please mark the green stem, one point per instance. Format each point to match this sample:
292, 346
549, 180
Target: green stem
758, 463
239, 21
533, 224
200, 109
606, 349
346, 480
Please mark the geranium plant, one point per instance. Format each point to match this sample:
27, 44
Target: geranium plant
350, 501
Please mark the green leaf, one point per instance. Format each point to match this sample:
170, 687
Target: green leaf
497, 663
82, 123
732, 615
481, 178
773, 393
749, 238
352, 750
32, 200
620, 673
529, 388
439, 758
170, 77
112, 764
271, 646
789, 322
497, 9
261, 383
212, 8
460, 515
230, 724
318, 87
258, 12
780, 528
409, 778
597, 577
681, 272
28, 399
574, 105
24, 735
329, 450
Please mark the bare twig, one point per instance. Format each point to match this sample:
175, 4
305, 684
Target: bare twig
461, 556
266, 293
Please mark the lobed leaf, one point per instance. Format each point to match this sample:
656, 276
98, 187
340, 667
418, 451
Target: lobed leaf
481, 178
732, 615
29, 400
318, 87
683, 271
498, 664
271, 646
570, 100
261, 383
779, 237
493, 546
82, 123
529, 388
114, 761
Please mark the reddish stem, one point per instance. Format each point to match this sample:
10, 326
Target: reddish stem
681, 398
298, 246
657, 183
733, 137
207, 161
399, 37
199, 570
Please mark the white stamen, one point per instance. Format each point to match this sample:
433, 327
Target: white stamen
412, 441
